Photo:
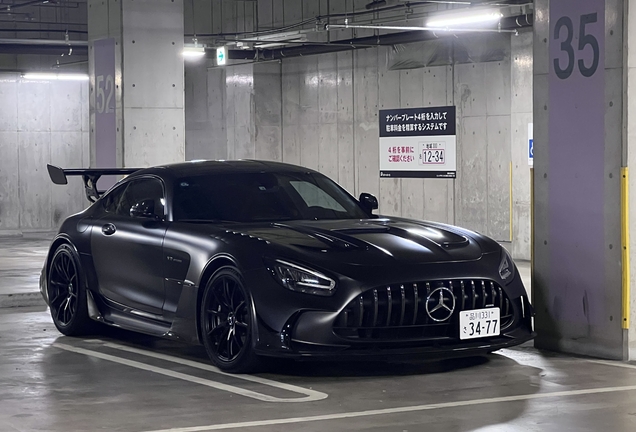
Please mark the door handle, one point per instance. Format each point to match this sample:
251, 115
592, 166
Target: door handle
109, 229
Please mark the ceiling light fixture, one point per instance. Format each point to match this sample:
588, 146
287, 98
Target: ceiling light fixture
461, 18
47, 76
193, 52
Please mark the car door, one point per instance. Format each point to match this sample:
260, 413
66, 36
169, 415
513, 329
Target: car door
127, 245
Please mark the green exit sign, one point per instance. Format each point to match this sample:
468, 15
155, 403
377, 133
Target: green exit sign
221, 56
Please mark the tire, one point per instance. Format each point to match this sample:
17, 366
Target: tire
227, 322
67, 293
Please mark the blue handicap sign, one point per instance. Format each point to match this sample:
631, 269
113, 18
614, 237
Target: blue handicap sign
531, 149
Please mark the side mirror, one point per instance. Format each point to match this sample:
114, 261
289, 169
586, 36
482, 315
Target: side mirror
143, 209
368, 202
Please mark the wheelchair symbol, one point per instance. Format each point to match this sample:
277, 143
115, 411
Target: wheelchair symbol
531, 149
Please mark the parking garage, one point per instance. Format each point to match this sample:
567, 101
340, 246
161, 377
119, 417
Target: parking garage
420, 111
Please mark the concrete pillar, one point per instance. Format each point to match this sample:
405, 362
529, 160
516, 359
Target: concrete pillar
136, 82
578, 141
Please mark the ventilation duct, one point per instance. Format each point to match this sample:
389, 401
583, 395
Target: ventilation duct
464, 49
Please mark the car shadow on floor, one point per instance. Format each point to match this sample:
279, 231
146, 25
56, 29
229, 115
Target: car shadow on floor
310, 368
365, 368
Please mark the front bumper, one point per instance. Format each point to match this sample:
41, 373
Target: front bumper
308, 330
432, 352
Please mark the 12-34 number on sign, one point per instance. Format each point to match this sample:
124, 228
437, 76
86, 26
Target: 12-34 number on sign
432, 156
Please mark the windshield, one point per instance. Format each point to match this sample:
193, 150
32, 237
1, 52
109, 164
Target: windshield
253, 197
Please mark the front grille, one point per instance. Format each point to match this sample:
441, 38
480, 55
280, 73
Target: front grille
398, 312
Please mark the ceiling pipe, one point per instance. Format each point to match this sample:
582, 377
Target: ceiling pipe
35, 3
42, 50
511, 23
12, 7
43, 47
21, 30
37, 22
42, 42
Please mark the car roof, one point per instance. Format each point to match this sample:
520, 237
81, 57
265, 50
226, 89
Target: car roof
195, 168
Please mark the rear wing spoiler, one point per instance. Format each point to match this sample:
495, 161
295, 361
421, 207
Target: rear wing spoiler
90, 176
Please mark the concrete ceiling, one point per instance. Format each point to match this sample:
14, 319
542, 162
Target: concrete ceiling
24, 24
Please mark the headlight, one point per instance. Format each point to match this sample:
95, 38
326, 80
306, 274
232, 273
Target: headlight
506, 267
301, 279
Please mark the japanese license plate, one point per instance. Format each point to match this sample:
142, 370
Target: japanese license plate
479, 323
433, 156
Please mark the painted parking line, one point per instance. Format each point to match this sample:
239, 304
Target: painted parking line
613, 363
399, 410
310, 395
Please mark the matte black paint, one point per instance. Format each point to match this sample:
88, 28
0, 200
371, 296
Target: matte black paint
147, 275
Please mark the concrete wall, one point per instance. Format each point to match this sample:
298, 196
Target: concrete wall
520, 116
334, 117
40, 123
205, 133
328, 115
239, 112
328, 121
483, 192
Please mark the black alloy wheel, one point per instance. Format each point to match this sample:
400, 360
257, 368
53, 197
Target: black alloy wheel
226, 318
67, 296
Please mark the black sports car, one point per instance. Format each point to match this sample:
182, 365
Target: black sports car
255, 259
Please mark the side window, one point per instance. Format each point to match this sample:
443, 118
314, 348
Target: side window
316, 197
112, 200
146, 191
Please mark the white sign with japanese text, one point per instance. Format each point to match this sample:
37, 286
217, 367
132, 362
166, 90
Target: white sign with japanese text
418, 142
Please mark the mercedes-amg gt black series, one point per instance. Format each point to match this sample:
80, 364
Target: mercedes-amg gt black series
255, 259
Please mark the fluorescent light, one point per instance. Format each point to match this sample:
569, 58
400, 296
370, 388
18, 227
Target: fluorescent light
43, 76
193, 52
72, 77
463, 18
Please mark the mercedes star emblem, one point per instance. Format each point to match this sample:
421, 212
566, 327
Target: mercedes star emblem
440, 304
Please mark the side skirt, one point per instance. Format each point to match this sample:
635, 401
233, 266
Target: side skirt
127, 318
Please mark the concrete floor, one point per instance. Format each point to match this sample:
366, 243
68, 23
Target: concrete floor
21, 260
126, 382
